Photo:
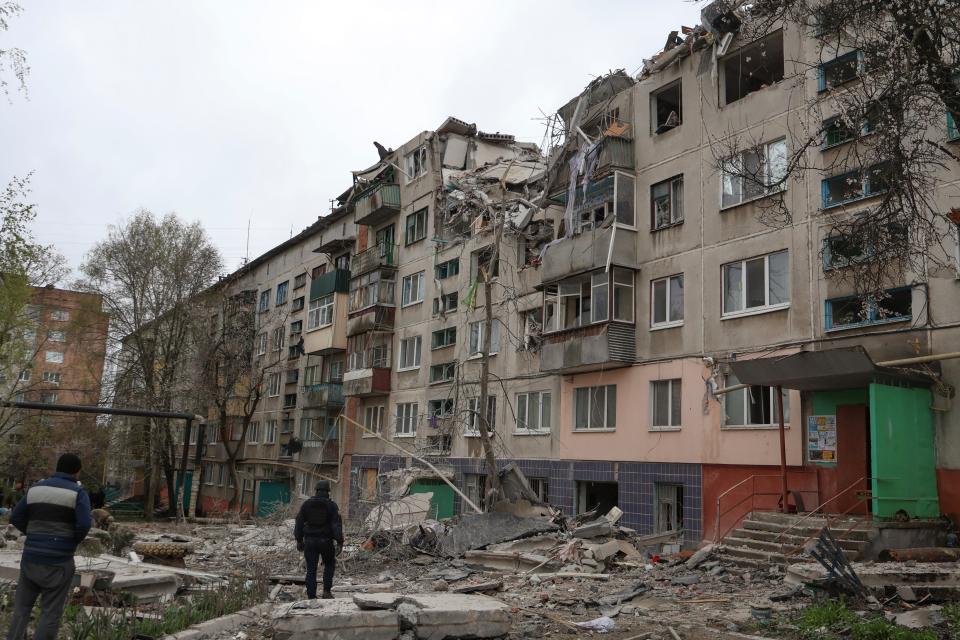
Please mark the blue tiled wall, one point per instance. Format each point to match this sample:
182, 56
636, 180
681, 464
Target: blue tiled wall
636, 485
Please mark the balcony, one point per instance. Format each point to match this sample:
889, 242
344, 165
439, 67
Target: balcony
377, 205
615, 153
588, 251
336, 281
374, 318
372, 381
331, 338
325, 394
377, 256
590, 348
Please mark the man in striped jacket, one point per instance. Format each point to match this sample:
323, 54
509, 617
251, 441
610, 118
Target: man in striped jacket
55, 515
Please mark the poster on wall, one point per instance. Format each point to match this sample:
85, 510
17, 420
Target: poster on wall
822, 438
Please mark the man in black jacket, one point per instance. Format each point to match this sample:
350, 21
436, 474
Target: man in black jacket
318, 528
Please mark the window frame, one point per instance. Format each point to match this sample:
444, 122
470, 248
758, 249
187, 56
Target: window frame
273, 384
264, 304
404, 352
866, 191
299, 281
590, 392
731, 380
406, 425
298, 303
472, 428
253, 432
415, 164
445, 332
419, 218
443, 367
445, 267
836, 62
53, 357
675, 186
674, 423
739, 53
283, 290
656, 128
668, 298
56, 336
374, 414
60, 315
442, 304
404, 289
767, 190
494, 338
522, 421
760, 309
270, 433
873, 318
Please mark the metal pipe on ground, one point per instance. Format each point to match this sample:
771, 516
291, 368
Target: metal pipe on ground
921, 554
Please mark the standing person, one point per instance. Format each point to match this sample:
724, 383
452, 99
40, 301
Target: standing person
318, 528
55, 515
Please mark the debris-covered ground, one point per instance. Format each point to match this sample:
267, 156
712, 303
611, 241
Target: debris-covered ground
496, 574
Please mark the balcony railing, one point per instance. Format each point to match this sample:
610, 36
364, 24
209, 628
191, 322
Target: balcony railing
378, 204
379, 255
323, 394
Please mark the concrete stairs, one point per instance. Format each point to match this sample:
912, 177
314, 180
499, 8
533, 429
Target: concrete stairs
760, 540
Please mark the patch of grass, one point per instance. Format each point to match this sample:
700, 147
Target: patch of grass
832, 615
832, 619
952, 613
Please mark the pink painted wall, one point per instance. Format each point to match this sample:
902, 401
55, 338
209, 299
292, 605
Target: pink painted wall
700, 438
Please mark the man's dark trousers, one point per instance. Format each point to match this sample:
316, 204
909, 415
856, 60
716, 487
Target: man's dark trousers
315, 549
49, 582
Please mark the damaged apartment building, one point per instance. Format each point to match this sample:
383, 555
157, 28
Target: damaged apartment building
644, 311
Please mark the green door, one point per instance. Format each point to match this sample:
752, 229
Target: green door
903, 453
441, 504
272, 496
186, 491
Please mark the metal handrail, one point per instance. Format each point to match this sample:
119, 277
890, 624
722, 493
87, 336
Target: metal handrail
867, 495
753, 492
817, 509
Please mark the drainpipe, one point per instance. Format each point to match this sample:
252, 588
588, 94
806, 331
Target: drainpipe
783, 450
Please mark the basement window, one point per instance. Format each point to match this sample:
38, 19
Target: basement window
753, 67
667, 111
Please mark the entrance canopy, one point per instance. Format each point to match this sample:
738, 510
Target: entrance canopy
845, 368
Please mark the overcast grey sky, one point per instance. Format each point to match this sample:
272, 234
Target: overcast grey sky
228, 111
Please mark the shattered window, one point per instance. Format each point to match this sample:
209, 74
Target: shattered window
666, 203
624, 199
896, 305
839, 70
447, 303
473, 420
443, 338
754, 67
447, 269
854, 185
482, 264
754, 173
667, 108
837, 131
416, 163
755, 406
442, 372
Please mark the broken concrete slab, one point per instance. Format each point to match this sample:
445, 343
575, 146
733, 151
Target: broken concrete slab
509, 561
920, 618
700, 556
338, 618
541, 543
594, 529
477, 530
435, 616
606, 550
399, 514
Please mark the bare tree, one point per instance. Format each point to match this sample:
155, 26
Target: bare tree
874, 131
232, 372
13, 60
149, 272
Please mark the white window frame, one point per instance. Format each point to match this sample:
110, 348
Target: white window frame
419, 226
674, 196
765, 308
273, 385
53, 357
279, 334
414, 342
673, 386
590, 394
262, 343
669, 322
253, 432
532, 403
445, 367
472, 429
745, 396
407, 417
25, 375
321, 312
415, 163
270, 433
407, 289
51, 377
57, 336
373, 419
736, 162
49, 397
476, 338
60, 315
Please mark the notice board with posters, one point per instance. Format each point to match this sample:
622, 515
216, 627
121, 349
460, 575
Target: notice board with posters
822, 439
